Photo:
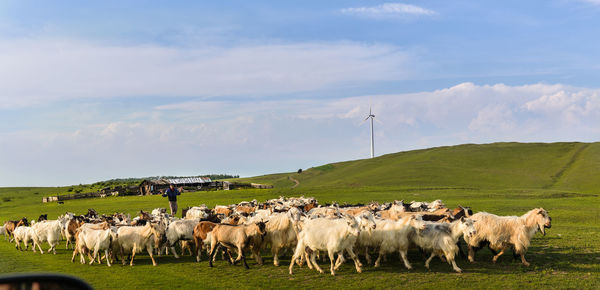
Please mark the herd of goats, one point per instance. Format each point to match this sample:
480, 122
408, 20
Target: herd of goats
298, 224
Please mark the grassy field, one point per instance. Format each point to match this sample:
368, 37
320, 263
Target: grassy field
506, 179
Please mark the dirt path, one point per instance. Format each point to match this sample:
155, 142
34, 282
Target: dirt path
556, 177
294, 180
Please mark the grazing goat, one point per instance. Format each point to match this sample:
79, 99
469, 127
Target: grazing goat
133, 239
395, 210
326, 211
504, 231
331, 235
26, 235
71, 230
142, 219
47, 231
435, 205
235, 237
200, 234
90, 239
180, 230
91, 214
222, 210
158, 211
441, 238
197, 212
245, 210
10, 226
353, 211
390, 236
282, 231
461, 211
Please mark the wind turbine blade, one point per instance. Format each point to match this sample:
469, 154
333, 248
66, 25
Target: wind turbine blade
377, 120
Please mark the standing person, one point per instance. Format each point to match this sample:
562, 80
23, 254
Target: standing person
172, 193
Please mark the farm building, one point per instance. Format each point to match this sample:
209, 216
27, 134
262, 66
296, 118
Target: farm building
155, 186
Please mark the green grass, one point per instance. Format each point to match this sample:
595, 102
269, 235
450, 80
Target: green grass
503, 178
563, 166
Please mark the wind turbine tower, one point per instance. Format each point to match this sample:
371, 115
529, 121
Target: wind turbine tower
371, 116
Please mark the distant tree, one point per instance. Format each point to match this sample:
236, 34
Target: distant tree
299, 170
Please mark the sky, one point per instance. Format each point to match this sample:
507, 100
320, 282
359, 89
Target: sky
95, 90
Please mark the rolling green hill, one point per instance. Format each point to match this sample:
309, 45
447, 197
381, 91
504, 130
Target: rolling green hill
560, 166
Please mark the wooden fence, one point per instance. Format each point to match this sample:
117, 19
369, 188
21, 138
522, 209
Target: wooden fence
77, 196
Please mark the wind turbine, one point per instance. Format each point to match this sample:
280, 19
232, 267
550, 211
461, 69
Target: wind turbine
372, 139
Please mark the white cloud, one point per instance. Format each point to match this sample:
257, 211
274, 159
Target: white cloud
42, 70
567, 106
388, 10
493, 119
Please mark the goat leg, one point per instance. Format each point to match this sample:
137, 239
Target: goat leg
133, 254
498, 255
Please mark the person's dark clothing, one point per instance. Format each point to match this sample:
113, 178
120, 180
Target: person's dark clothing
172, 194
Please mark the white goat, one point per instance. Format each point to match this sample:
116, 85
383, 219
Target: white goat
331, 235
26, 235
180, 230
282, 231
96, 240
47, 231
504, 231
329, 211
390, 236
135, 239
198, 212
441, 238
158, 211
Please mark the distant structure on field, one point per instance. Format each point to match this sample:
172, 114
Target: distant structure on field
149, 187
371, 116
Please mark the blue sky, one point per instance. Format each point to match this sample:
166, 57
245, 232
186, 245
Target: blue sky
106, 89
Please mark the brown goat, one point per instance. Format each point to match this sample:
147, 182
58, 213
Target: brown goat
235, 237
12, 225
462, 211
200, 232
71, 233
245, 210
310, 206
225, 211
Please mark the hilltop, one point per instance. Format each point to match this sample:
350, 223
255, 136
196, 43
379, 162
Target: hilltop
570, 166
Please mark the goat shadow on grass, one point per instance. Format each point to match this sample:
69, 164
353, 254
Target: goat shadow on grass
558, 259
